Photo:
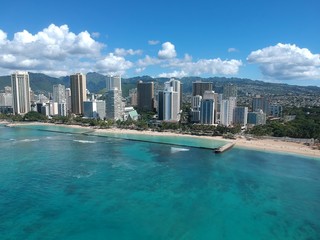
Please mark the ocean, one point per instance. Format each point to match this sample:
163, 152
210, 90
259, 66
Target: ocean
57, 183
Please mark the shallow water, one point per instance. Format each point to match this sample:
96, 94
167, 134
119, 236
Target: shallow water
73, 186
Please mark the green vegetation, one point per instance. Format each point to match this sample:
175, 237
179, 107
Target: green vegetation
305, 125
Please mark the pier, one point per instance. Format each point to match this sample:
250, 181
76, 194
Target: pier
224, 147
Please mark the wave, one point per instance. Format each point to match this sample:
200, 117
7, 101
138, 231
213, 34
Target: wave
84, 174
29, 140
84, 141
176, 149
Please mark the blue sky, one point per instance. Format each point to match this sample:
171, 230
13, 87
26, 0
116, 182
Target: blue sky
275, 41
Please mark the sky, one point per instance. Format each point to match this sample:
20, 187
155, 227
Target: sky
273, 41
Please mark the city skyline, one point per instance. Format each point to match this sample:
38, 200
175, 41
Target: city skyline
270, 41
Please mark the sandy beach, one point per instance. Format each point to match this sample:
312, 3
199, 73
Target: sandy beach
256, 144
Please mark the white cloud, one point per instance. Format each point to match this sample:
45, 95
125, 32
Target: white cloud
153, 42
287, 61
168, 51
174, 74
139, 70
205, 66
3, 37
148, 61
113, 64
95, 34
124, 52
54, 49
232, 50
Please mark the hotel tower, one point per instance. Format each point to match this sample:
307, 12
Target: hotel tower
20, 92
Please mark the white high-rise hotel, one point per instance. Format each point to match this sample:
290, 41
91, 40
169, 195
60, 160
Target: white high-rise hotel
20, 92
114, 104
169, 101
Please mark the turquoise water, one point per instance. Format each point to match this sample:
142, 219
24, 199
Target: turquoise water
74, 186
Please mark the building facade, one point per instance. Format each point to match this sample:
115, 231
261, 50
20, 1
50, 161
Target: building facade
198, 87
59, 93
114, 105
94, 109
145, 96
21, 101
78, 88
240, 116
113, 82
230, 90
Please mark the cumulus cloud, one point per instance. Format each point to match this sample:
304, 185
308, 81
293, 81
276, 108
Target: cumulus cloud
124, 52
153, 42
168, 51
55, 48
113, 64
287, 61
148, 61
205, 66
174, 74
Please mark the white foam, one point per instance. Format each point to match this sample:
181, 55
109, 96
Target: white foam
175, 149
29, 140
84, 141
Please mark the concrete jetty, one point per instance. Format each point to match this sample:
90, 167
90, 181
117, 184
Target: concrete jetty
224, 147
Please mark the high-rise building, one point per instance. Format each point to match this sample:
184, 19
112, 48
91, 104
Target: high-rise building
169, 101
94, 109
20, 93
59, 93
114, 105
5, 99
207, 108
240, 116
260, 103
133, 95
68, 100
257, 118
198, 88
195, 108
229, 90
227, 110
275, 110
78, 92
145, 95
113, 82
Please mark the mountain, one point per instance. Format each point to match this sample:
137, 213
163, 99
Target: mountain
41, 83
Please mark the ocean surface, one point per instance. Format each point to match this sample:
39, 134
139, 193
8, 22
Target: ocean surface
69, 185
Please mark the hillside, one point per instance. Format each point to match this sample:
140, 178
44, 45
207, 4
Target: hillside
96, 82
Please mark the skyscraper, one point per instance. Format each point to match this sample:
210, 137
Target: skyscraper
260, 103
195, 108
59, 93
20, 92
198, 88
114, 105
113, 82
207, 108
169, 101
229, 90
145, 95
78, 92
227, 111
240, 115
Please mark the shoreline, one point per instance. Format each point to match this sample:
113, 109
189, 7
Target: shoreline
267, 145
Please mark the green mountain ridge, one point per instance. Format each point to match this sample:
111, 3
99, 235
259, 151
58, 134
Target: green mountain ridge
41, 83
